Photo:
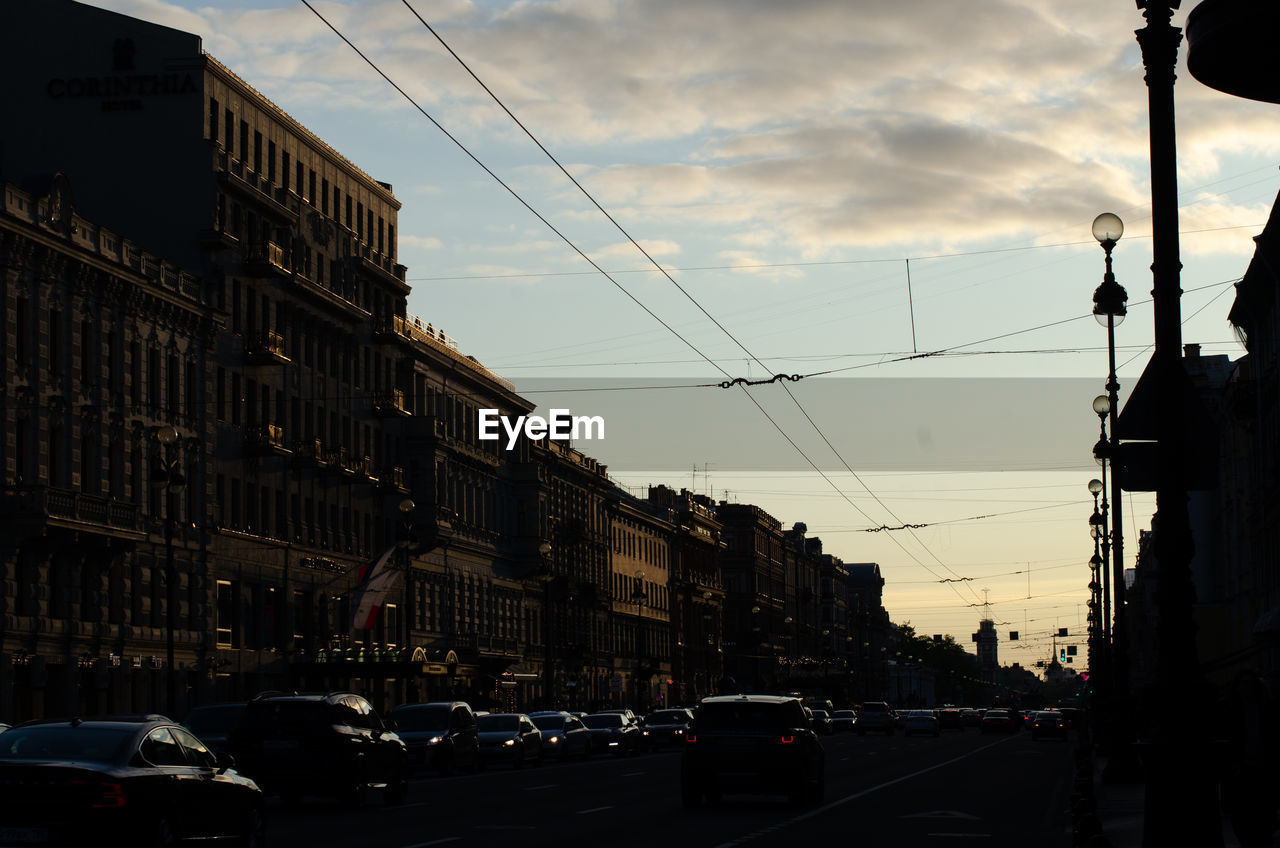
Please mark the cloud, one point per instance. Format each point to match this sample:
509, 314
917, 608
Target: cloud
821, 125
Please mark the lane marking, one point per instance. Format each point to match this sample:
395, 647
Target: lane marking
433, 842
634, 774
542, 786
595, 810
856, 795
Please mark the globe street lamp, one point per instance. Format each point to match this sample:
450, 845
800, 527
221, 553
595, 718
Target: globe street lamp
167, 476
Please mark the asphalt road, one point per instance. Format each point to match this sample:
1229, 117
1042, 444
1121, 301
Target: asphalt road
958, 790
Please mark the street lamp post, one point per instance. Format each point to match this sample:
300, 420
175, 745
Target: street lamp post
1178, 778
168, 476
545, 576
1097, 588
1109, 301
638, 597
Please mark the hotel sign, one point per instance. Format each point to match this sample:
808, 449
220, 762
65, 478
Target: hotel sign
122, 90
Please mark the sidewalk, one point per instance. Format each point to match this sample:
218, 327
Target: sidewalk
1119, 808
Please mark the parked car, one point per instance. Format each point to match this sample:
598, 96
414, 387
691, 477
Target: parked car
667, 727
213, 724
563, 735
509, 738
440, 735
998, 721
759, 744
613, 732
920, 721
874, 717
843, 720
822, 721
1049, 723
141, 780
332, 744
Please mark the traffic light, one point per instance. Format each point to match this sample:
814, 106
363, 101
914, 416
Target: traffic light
1063, 656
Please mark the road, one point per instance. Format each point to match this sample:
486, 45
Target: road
962, 789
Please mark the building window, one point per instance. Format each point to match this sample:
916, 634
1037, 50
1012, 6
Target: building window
257, 152
284, 169
55, 341
226, 611
271, 162
244, 140
324, 196
213, 120
228, 127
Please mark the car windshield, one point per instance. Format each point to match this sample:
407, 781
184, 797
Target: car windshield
842, 714
548, 722
63, 742
599, 721
424, 719
667, 717
498, 723
214, 719
750, 715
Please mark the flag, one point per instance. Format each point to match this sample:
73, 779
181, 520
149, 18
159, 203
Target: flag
373, 583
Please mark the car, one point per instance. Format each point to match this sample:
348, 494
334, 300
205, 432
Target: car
213, 724
950, 718
509, 737
563, 735
1072, 717
758, 744
874, 717
320, 743
1049, 723
971, 717
667, 727
613, 732
998, 721
822, 721
440, 735
920, 721
140, 780
843, 720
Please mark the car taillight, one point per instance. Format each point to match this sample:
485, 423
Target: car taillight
690, 738
786, 740
107, 795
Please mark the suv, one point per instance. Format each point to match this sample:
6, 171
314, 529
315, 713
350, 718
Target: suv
754, 744
441, 735
875, 716
323, 744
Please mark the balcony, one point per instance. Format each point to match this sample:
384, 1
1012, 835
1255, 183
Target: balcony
44, 510
311, 452
372, 264
390, 404
267, 349
265, 440
328, 298
411, 329
340, 461
393, 480
234, 176
266, 259
490, 646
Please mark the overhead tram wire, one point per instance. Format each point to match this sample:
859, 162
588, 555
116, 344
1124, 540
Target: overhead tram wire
509, 189
594, 265
700, 308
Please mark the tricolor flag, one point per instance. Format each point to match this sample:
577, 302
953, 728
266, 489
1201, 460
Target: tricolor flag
374, 581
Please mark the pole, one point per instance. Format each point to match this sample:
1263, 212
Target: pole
171, 613
1118, 665
1178, 776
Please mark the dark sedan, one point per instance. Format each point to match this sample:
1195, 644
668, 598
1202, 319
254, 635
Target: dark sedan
667, 727
509, 738
999, 721
614, 733
121, 781
563, 735
1048, 723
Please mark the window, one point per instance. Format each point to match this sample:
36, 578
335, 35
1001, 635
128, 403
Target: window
311, 188
227, 609
227, 129
257, 152
55, 341
244, 140
284, 169
161, 749
324, 196
271, 162
213, 120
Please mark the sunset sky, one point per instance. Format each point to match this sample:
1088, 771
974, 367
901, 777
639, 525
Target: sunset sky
842, 186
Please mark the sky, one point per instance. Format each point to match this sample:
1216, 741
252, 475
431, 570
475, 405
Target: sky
833, 188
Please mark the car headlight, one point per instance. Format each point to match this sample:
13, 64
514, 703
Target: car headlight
435, 740
554, 740
509, 743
